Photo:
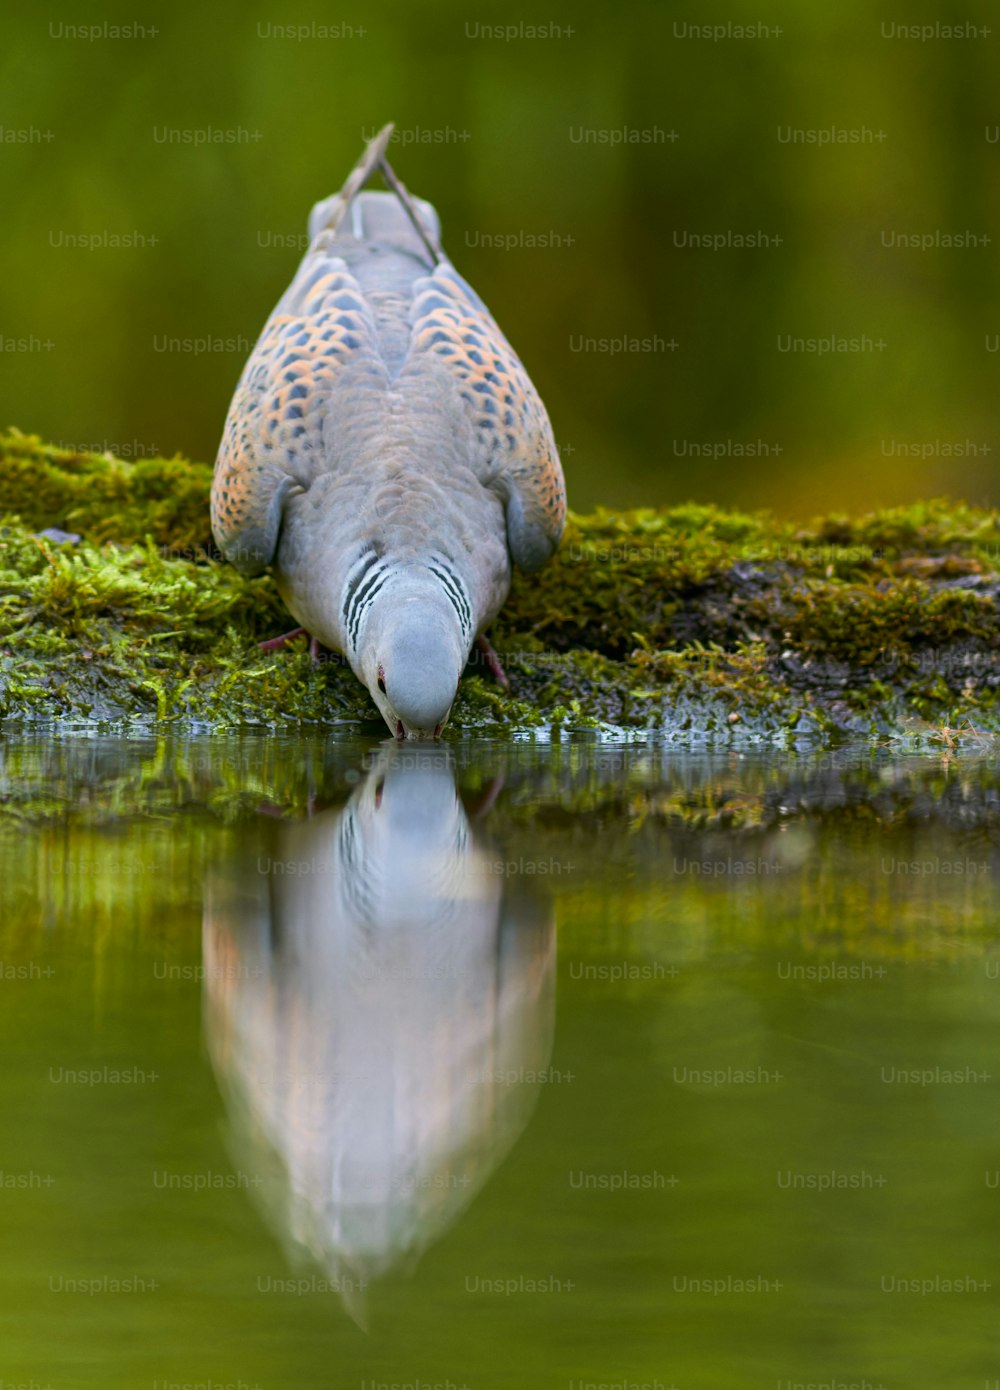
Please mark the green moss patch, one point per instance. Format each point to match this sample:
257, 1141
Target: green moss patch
696, 623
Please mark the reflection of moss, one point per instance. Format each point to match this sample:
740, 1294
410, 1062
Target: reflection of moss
695, 621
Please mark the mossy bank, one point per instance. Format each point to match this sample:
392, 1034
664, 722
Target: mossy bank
697, 623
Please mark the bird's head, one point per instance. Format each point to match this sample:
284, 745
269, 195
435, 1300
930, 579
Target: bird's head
412, 660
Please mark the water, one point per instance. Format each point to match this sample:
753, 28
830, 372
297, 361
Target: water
336, 1064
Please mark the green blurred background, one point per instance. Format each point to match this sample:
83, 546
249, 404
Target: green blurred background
494, 131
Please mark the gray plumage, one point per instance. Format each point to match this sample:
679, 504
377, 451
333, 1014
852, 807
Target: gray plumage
386, 452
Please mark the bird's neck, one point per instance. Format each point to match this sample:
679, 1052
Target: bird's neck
382, 594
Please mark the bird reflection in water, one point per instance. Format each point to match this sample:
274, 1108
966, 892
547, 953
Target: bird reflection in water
379, 1002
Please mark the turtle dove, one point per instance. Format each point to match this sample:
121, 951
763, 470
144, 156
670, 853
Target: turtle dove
387, 454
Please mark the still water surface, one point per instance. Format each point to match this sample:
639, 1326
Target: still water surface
338, 1064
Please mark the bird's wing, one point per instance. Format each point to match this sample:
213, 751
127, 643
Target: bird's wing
291, 395
518, 457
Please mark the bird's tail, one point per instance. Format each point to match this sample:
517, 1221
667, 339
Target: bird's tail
372, 159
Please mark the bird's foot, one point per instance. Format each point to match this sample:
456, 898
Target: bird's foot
492, 661
274, 644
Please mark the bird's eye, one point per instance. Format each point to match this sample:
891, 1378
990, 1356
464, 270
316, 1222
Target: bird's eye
381, 680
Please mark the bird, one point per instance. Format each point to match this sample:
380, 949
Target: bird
387, 455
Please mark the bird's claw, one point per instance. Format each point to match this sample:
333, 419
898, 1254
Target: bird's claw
492, 661
274, 644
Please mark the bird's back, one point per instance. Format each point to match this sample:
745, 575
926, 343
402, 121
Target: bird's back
385, 255
382, 410
390, 457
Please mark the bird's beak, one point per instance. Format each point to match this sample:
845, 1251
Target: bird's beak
403, 733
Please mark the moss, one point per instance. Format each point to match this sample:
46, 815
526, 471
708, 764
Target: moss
698, 623
106, 498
